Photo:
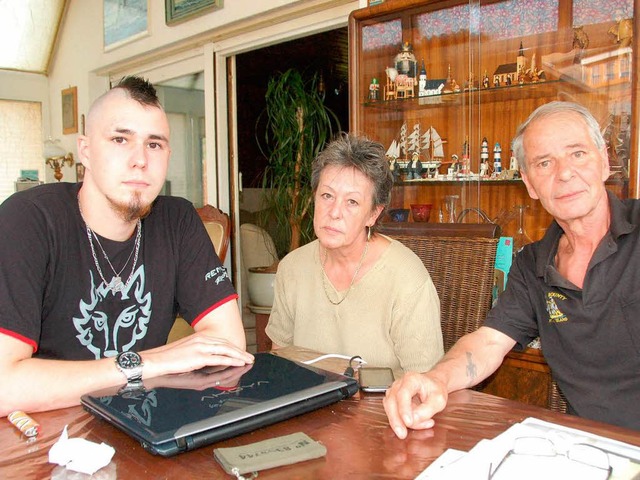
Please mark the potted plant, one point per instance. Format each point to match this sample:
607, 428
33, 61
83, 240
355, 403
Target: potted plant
297, 125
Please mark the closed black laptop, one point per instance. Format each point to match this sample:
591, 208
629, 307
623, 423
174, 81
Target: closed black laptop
177, 413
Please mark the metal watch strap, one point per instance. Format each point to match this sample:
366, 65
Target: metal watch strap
134, 373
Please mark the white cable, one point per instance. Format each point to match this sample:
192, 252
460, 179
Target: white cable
334, 355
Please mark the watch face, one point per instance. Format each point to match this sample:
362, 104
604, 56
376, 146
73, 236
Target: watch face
129, 360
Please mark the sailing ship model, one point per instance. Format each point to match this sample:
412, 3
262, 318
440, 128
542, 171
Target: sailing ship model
432, 144
427, 146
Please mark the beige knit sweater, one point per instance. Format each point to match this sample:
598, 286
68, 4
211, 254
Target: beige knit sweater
391, 316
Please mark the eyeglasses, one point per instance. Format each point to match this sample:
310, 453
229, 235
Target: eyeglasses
591, 458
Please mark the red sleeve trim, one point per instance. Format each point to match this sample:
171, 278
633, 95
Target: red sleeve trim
226, 389
213, 307
17, 336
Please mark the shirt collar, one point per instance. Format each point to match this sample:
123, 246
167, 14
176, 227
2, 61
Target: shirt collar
548, 245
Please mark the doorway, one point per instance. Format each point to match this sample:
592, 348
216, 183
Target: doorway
324, 53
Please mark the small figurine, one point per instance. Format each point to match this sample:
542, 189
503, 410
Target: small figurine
453, 168
484, 170
623, 32
580, 43
450, 85
485, 80
395, 169
374, 90
471, 83
497, 161
532, 74
496, 82
465, 163
414, 167
405, 61
521, 76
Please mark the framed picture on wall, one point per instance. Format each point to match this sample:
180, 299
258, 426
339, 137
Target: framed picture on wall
123, 22
180, 10
70, 110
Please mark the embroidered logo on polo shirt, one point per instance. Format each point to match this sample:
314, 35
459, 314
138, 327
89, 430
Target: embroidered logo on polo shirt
218, 274
555, 315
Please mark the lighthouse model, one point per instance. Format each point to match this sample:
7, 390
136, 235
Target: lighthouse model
497, 161
513, 163
484, 158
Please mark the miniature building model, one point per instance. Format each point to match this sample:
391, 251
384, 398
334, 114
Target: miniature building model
507, 73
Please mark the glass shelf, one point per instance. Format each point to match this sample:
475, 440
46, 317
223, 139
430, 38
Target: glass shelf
546, 89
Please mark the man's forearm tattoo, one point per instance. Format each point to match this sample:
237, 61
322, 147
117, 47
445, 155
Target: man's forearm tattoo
472, 372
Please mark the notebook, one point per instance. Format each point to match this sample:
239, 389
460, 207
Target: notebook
178, 413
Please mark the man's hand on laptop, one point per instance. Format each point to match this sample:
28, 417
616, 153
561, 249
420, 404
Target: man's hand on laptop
192, 353
224, 378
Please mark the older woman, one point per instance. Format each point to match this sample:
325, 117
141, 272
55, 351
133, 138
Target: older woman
352, 291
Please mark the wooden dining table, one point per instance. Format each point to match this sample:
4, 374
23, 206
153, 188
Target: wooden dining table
359, 442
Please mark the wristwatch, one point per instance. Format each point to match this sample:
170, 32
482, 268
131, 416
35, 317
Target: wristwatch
130, 363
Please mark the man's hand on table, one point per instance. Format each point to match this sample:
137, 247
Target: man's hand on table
412, 401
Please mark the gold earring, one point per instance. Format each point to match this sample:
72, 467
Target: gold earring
368, 233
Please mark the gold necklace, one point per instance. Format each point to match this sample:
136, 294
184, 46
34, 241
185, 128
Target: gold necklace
325, 277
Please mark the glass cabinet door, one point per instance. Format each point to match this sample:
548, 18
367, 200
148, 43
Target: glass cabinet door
443, 86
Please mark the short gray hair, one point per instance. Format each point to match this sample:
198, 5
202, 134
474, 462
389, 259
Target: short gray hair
547, 110
366, 156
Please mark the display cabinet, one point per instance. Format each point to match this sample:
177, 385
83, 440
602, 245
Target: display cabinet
443, 86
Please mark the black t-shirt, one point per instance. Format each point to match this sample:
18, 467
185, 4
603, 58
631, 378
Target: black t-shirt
54, 298
590, 336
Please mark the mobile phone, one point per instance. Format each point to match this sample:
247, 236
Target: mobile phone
375, 379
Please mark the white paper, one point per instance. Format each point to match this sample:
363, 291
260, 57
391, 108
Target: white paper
447, 458
80, 455
487, 454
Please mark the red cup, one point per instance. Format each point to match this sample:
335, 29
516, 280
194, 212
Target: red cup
421, 212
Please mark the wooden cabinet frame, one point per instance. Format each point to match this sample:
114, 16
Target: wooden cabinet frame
493, 112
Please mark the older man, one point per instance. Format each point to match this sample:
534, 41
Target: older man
97, 271
578, 288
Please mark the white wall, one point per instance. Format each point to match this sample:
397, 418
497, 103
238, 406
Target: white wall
80, 59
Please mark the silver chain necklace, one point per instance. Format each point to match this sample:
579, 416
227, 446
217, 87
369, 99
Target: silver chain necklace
116, 284
325, 276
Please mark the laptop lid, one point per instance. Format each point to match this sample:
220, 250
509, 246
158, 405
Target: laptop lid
177, 413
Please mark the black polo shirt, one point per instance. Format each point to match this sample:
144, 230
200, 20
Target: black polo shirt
590, 336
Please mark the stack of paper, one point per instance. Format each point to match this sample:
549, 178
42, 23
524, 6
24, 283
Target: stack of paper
487, 455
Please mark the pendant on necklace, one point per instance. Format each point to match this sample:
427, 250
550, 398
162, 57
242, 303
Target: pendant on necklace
116, 285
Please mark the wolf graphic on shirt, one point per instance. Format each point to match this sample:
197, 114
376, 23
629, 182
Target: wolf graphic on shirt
112, 322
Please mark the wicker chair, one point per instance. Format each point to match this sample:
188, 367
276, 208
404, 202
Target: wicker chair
460, 259
556, 400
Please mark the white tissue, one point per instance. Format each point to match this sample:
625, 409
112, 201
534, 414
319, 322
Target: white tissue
80, 455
